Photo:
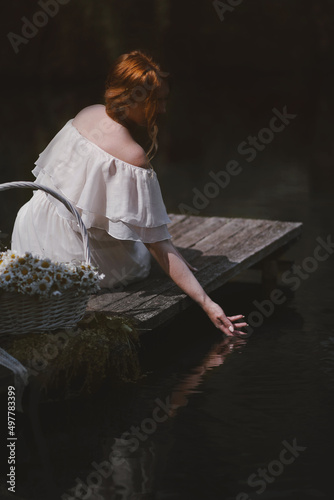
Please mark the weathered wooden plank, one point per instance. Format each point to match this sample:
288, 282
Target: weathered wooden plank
275, 235
176, 218
243, 256
132, 294
201, 230
212, 277
185, 225
210, 270
135, 304
219, 247
256, 251
235, 232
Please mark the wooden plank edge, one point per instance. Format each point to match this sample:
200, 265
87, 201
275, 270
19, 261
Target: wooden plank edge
184, 301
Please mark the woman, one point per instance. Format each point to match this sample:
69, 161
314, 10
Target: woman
95, 162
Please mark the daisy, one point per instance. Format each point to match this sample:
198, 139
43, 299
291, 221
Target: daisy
42, 287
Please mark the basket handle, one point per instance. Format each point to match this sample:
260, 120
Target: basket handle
67, 203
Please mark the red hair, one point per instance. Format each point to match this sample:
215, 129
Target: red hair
135, 77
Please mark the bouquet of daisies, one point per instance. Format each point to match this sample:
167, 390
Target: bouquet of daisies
33, 275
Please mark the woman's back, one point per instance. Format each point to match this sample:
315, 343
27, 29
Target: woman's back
93, 123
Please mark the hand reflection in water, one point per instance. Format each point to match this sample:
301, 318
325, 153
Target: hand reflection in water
215, 357
137, 459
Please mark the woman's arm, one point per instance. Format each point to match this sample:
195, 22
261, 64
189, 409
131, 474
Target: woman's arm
177, 268
192, 268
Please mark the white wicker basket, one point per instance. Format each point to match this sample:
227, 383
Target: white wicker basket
22, 313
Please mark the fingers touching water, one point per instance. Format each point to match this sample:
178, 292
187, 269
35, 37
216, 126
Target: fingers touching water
230, 325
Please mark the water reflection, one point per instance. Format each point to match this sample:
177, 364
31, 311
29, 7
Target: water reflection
131, 464
127, 464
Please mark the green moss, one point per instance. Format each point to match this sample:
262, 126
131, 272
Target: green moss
100, 347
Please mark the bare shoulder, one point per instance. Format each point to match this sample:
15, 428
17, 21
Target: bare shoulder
131, 152
88, 112
114, 138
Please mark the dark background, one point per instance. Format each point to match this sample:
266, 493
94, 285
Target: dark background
228, 75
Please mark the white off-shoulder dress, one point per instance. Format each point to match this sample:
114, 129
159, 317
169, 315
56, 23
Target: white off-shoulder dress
121, 206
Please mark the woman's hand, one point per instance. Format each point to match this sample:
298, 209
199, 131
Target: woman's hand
223, 322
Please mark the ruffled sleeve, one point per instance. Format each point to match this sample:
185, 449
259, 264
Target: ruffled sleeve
110, 194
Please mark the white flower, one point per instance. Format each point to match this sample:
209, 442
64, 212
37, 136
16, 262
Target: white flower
42, 287
37, 275
7, 277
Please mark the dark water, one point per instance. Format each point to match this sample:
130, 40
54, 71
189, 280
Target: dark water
236, 405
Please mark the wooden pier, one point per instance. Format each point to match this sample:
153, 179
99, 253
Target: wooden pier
219, 247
